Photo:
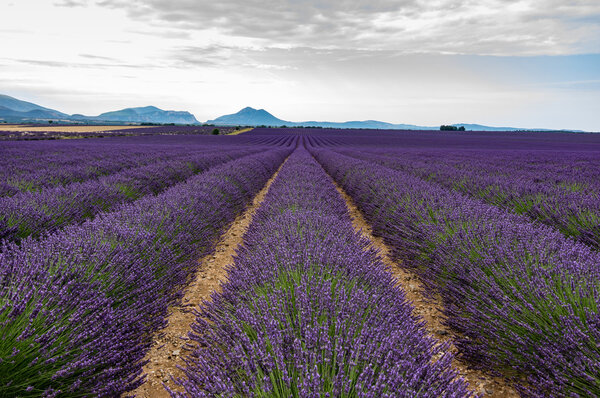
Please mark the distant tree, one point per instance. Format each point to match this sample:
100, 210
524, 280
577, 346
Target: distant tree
444, 127
461, 128
50, 121
215, 132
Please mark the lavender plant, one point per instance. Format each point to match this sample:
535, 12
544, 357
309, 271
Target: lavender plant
310, 310
562, 193
523, 298
35, 213
78, 309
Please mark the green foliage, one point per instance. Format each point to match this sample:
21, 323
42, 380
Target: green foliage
444, 127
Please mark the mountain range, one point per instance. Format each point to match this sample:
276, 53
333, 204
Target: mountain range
17, 111
14, 110
260, 117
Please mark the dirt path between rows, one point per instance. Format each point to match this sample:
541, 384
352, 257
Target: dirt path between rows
429, 310
169, 345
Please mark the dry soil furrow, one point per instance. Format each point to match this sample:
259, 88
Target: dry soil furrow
168, 346
428, 309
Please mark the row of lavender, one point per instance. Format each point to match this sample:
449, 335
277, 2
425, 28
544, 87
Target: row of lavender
36, 213
523, 298
563, 193
309, 310
78, 308
39, 132
34, 166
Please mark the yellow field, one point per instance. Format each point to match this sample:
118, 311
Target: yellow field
241, 131
66, 129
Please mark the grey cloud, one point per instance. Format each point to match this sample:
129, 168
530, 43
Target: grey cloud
219, 56
98, 65
395, 68
462, 26
270, 58
92, 56
72, 3
53, 64
164, 33
207, 56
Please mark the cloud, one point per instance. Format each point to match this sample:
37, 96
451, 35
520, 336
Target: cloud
71, 3
77, 65
501, 27
92, 56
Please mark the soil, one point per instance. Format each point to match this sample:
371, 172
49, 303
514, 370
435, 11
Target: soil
429, 309
170, 344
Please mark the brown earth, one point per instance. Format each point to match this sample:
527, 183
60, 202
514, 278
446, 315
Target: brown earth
429, 309
169, 344
68, 129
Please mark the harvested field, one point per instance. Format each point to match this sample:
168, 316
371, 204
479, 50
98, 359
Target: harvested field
237, 132
68, 129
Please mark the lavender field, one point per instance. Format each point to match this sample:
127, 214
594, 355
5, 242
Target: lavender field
497, 234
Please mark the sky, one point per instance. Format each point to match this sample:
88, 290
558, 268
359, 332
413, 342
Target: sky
521, 63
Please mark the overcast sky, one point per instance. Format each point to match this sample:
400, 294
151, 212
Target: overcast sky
523, 63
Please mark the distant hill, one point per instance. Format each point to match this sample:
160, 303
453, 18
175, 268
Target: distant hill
14, 110
146, 114
260, 117
17, 111
249, 117
365, 124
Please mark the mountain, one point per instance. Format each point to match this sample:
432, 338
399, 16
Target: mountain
365, 124
250, 117
260, 117
14, 110
17, 111
148, 114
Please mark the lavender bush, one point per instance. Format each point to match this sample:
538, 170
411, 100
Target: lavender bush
309, 310
34, 213
563, 193
30, 167
78, 309
523, 298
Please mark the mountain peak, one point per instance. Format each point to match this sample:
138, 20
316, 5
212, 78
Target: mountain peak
249, 116
17, 105
145, 109
149, 114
